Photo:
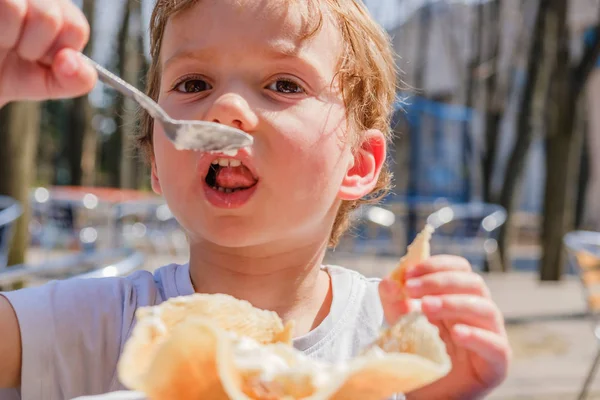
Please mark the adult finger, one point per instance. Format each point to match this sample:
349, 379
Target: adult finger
42, 24
12, 15
74, 34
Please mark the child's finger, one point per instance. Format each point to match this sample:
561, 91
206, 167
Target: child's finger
394, 303
439, 264
470, 310
447, 282
392, 300
389, 290
492, 347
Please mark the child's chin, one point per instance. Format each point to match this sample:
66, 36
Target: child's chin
235, 238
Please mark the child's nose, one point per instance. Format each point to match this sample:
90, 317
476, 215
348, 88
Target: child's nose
233, 110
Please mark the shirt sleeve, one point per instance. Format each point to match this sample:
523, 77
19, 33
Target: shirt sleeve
72, 333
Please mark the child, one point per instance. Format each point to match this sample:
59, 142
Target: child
313, 82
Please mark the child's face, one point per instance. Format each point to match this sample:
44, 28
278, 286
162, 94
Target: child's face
242, 63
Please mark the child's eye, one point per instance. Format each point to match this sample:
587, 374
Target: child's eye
194, 85
286, 86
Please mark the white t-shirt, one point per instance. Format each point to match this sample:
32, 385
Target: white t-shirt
73, 331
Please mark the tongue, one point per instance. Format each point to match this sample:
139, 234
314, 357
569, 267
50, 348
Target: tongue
235, 178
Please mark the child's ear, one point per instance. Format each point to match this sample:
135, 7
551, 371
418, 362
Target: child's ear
154, 177
365, 166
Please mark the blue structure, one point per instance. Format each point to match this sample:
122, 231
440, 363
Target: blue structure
440, 149
589, 36
10, 211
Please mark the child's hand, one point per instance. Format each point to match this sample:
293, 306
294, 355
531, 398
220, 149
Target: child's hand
458, 302
39, 41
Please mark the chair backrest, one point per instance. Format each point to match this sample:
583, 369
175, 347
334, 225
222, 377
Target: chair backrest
469, 230
95, 264
387, 229
583, 256
149, 225
10, 211
66, 220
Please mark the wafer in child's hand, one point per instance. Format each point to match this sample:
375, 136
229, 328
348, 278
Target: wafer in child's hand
418, 251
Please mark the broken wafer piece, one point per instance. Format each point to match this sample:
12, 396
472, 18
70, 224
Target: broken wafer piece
200, 356
200, 360
155, 324
417, 252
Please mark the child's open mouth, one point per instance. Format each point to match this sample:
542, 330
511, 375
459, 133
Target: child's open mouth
229, 182
229, 175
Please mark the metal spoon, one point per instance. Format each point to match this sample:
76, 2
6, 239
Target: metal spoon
185, 135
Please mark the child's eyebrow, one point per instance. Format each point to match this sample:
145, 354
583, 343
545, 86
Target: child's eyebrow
276, 51
192, 55
279, 50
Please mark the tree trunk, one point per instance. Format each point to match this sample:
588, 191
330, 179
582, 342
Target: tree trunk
534, 94
143, 168
422, 59
131, 72
581, 77
114, 145
563, 148
51, 128
19, 130
471, 96
423, 47
584, 166
494, 105
81, 139
493, 121
122, 158
564, 142
79, 143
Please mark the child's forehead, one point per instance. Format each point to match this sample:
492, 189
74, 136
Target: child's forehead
276, 26
292, 19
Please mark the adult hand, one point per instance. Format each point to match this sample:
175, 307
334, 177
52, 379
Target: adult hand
40, 41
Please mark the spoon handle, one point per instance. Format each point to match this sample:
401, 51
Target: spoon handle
128, 90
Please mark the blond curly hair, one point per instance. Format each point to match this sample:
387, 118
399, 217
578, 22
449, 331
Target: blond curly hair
367, 77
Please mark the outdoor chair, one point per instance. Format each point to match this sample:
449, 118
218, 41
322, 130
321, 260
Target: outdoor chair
148, 225
468, 230
10, 211
386, 229
583, 255
96, 264
69, 221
